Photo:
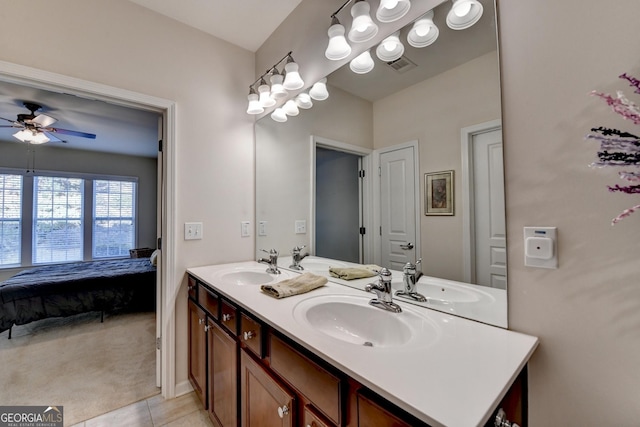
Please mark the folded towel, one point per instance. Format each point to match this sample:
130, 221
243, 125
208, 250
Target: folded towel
351, 273
304, 283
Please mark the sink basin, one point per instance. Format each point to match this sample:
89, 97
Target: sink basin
444, 292
352, 320
249, 276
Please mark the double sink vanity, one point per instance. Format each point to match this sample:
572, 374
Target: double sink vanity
329, 358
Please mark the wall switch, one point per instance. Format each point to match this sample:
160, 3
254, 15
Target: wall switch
540, 247
192, 230
301, 226
245, 230
262, 228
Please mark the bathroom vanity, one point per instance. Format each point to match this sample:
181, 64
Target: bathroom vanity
257, 360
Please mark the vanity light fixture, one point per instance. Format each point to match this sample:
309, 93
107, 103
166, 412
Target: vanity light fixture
392, 10
264, 94
464, 13
362, 63
338, 47
279, 115
319, 90
254, 105
290, 108
277, 90
303, 100
390, 48
424, 32
362, 27
292, 79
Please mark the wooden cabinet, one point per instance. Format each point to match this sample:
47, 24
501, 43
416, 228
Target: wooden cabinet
265, 401
198, 350
223, 377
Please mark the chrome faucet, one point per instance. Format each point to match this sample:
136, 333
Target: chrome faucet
410, 276
295, 254
272, 261
383, 292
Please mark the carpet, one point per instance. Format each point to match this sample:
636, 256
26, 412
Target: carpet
87, 367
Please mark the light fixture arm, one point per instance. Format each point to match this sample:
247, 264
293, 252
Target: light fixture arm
333, 15
288, 55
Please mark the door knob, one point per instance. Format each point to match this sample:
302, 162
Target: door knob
407, 247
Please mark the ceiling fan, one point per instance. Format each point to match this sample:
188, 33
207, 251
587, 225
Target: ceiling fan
37, 129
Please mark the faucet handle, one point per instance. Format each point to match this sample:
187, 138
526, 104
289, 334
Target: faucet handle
270, 251
298, 248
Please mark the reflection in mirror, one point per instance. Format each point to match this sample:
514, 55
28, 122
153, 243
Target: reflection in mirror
441, 101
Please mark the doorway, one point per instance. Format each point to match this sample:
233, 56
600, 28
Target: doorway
166, 290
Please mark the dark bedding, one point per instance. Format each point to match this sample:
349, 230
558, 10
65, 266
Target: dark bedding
67, 289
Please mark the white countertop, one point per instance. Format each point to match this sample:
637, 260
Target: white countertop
458, 380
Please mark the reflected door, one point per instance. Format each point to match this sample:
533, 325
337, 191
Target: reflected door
490, 227
397, 207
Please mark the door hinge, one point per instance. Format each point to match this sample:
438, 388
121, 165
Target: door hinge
381, 230
361, 173
160, 145
379, 171
158, 343
159, 246
363, 230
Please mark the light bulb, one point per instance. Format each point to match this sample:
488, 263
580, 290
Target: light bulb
292, 79
462, 8
319, 90
389, 45
277, 90
424, 31
392, 10
291, 108
362, 63
264, 92
464, 13
362, 27
338, 48
391, 48
303, 100
279, 115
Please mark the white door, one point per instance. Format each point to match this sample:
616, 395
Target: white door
159, 224
489, 218
398, 231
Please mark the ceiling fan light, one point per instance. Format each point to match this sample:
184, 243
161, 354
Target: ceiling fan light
362, 27
279, 115
362, 63
277, 89
424, 32
338, 48
39, 138
319, 90
264, 93
303, 100
391, 48
392, 10
254, 104
464, 13
292, 79
22, 135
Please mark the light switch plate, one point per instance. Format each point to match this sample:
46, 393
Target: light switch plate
192, 230
245, 229
301, 226
540, 247
262, 228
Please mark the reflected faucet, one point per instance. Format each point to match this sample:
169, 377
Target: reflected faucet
383, 292
295, 253
272, 261
410, 276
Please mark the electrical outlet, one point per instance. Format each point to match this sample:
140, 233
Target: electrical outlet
301, 226
244, 229
540, 247
192, 230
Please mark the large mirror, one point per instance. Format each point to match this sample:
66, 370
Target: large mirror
433, 117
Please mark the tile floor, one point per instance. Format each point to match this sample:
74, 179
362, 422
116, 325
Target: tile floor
183, 411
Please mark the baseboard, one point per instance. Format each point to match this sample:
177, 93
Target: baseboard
183, 387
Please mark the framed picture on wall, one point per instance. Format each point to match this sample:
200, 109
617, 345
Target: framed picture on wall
438, 188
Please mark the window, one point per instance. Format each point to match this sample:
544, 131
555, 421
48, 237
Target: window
10, 219
58, 219
113, 218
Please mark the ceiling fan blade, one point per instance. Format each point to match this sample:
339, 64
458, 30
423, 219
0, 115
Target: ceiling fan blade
10, 126
52, 137
44, 120
71, 132
11, 121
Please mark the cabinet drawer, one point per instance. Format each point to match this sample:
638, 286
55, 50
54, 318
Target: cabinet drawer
312, 419
251, 334
373, 411
209, 300
316, 383
192, 288
229, 317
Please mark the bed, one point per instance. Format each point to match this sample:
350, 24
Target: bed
67, 289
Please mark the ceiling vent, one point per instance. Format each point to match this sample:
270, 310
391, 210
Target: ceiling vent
402, 64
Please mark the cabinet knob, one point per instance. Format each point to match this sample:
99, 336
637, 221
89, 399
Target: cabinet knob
248, 335
226, 317
201, 321
206, 328
191, 287
283, 410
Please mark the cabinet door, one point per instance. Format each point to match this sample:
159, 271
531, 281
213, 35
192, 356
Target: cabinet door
198, 351
223, 377
265, 402
376, 414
